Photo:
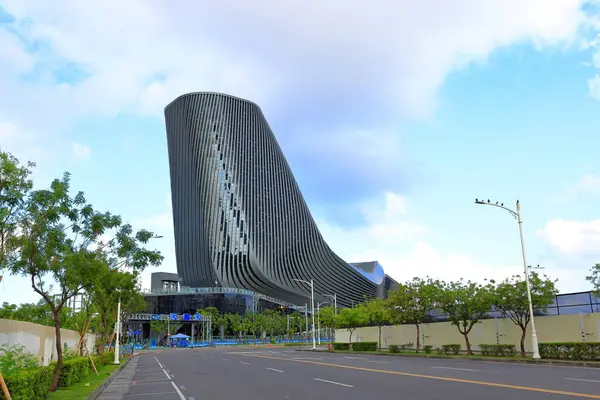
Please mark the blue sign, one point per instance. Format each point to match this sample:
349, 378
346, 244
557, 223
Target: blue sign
155, 317
198, 316
173, 317
186, 317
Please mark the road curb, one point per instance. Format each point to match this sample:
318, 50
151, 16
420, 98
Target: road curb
98, 391
499, 360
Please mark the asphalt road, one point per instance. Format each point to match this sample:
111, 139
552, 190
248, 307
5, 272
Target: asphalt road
265, 374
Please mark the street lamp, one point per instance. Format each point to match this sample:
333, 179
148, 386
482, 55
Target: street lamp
333, 297
116, 360
517, 215
312, 301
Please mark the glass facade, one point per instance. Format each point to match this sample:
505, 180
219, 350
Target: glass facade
224, 302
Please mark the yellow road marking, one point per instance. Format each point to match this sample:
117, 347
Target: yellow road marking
440, 378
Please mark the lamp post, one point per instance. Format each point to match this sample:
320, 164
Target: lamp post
312, 305
116, 360
333, 297
517, 215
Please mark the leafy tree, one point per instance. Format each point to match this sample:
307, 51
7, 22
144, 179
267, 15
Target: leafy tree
378, 314
465, 303
510, 297
237, 324
58, 244
352, 318
594, 277
105, 289
15, 185
412, 302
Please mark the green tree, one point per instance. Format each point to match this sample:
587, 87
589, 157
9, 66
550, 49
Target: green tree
105, 289
594, 277
465, 303
15, 186
378, 314
510, 297
412, 303
351, 319
58, 247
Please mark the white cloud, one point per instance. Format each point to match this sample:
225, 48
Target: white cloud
402, 247
573, 238
80, 150
395, 51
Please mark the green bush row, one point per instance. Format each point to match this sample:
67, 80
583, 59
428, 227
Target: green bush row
448, 349
34, 384
498, 350
358, 346
585, 351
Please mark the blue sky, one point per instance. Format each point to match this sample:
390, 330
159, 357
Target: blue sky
394, 117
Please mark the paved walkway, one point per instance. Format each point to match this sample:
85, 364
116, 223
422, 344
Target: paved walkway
143, 377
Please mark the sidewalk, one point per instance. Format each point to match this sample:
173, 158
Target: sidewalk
121, 382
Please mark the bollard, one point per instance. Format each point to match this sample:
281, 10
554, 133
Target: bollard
329, 346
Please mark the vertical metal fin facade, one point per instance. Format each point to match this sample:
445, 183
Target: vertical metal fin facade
240, 219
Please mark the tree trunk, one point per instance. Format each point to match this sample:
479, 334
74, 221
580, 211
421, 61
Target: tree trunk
523, 334
380, 338
469, 351
418, 337
59, 352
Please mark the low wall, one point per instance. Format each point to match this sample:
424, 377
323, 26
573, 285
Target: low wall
39, 340
559, 328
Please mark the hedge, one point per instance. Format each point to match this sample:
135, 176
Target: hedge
364, 346
449, 349
585, 351
341, 346
498, 350
34, 384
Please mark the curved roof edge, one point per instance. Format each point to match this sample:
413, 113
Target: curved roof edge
208, 93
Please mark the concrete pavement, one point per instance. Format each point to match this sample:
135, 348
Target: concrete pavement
264, 374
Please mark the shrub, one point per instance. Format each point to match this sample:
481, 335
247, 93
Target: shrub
451, 348
394, 348
409, 346
31, 384
341, 346
498, 350
586, 351
364, 346
428, 349
14, 358
73, 371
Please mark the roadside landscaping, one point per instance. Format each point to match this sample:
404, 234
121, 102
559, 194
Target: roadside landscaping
578, 353
77, 379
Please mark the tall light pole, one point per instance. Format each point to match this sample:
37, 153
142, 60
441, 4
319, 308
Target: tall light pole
312, 302
118, 327
333, 297
517, 215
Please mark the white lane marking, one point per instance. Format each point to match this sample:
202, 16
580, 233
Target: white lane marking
181, 396
306, 358
245, 363
354, 358
378, 362
332, 382
212, 356
168, 377
226, 359
273, 369
159, 364
582, 380
458, 369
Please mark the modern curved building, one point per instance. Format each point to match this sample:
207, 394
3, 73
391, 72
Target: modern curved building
240, 219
